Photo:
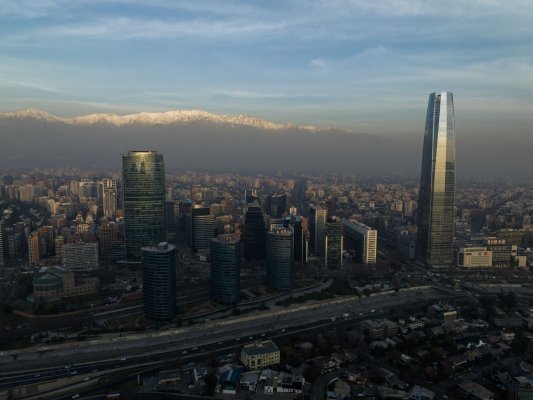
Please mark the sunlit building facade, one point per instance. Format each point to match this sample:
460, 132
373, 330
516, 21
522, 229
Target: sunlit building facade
436, 201
143, 177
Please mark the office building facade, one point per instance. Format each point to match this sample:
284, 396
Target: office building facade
317, 227
200, 228
225, 269
362, 239
436, 201
254, 233
279, 259
143, 193
159, 281
334, 243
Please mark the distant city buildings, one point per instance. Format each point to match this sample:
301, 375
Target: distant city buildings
80, 256
436, 201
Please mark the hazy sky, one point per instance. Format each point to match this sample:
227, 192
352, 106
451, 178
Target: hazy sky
362, 64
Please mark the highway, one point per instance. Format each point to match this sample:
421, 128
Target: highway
45, 363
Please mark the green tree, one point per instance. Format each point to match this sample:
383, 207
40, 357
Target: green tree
210, 384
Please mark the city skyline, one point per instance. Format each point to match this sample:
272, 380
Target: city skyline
336, 63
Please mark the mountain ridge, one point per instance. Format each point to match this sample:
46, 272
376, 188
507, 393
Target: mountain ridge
161, 118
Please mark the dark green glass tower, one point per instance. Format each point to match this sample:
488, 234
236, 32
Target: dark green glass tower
279, 259
225, 269
159, 281
143, 194
436, 201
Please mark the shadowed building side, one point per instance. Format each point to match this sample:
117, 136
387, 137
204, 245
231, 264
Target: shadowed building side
225, 269
159, 281
279, 259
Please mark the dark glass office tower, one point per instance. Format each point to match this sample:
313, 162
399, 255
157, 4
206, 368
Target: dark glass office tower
279, 259
334, 243
159, 281
254, 233
435, 216
300, 242
200, 228
317, 229
143, 177
225, 269
276, 204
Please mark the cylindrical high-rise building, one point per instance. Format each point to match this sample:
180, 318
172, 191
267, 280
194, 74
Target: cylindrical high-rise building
436, 201
159, 281
200, 228
225, 269
143, 194
279, 259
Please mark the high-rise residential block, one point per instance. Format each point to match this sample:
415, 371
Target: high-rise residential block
109, 197
362, 239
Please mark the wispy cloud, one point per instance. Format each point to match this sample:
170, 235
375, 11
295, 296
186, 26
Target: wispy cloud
318, 62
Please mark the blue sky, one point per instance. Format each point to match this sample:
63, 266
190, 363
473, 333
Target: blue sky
366, 65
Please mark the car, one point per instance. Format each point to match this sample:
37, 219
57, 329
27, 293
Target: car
250, 338
76, 396
87, 378
123, 359
73, 372
263, 334
372, 310
283, 330
194, 348
184, 352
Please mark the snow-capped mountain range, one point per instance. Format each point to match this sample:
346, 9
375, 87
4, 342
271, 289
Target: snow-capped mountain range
156, 118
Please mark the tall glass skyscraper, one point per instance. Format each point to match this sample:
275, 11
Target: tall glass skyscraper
159, 281
225, 269
143, 193
254, 233
436, 200
279, 259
